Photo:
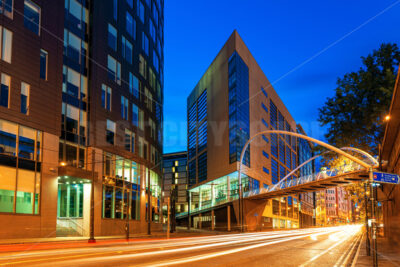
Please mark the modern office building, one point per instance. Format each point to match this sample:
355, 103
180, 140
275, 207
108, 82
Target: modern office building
307, 200
233, 101
175, 183
81, 109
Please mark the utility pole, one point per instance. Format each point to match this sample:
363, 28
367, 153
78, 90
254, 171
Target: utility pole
367, 241
188, 199
168, 216
91, 238
127, 218
373, 219
148, 204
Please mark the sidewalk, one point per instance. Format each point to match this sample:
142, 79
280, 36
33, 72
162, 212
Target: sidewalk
388, 254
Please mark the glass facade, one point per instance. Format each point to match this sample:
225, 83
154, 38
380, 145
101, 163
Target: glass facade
239, 121
197, 139
73, 140
176, 181
221, 190
121, 184
20, 168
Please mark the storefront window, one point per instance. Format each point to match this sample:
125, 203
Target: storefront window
19, 180
7, 188
25, 191
108, 202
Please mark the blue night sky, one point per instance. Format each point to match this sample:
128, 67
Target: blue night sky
302, 47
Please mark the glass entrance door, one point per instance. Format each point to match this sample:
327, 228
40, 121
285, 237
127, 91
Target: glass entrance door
73, 207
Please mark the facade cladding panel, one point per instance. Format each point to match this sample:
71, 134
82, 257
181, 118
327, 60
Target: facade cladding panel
68, 112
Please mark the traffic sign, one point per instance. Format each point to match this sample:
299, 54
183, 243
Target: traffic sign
383, 177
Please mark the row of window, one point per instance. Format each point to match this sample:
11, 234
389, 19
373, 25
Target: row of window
129, 142
239, 122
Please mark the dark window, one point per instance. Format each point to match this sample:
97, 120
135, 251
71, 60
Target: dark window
108, 195
130, 25
32, 16
43, 64
274, 145
130, 3
265, 123
202, 167
281, 151
112, 37
5, 90
273, 115
264, 92
110, 132
202, 136
192, 172
6, 7
274, 171
25, 88
115, 9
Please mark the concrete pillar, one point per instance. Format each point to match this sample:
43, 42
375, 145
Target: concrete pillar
200, 221
229, 217
212, 196
212, 220
228, 188
200, 198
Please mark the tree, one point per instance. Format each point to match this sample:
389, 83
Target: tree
355, 114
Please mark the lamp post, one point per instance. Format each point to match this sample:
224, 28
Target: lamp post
127, 217
148, 204
91, 238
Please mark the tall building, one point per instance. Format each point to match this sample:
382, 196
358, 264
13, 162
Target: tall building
175, 183
307, 200
233, 101
85, 112
338, 206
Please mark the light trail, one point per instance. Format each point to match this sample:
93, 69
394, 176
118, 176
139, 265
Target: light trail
156, 244
226, 252
174, 246
296, 235
352, 230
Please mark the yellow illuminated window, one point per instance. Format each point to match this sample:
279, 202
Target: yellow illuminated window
176, 163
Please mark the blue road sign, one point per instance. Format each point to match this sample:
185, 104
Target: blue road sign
383, 177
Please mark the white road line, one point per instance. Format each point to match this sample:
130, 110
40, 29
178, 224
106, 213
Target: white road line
327, 250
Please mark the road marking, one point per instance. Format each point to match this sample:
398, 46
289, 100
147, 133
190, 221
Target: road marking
327, 250
263, 237
217, 254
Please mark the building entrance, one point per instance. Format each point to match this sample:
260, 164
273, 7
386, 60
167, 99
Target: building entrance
73, 206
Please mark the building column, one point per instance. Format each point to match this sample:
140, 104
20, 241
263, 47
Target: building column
199, 198
229, 217
199, 220
212, 220
228, 188
212, 196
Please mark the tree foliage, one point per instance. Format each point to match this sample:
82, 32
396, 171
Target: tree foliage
355, 114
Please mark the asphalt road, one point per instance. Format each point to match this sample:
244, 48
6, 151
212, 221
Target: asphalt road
332, 246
